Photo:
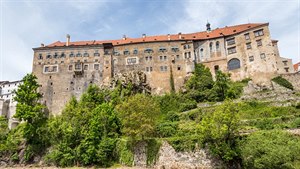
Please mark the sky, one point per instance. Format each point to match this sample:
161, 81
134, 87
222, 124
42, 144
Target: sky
26, 24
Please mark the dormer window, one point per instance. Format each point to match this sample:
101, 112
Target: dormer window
40, 56
148, 50
86, 54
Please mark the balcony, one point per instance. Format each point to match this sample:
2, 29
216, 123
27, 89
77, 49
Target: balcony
78, 68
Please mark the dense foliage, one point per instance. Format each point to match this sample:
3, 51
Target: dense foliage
270, 149
104, 127
283, 82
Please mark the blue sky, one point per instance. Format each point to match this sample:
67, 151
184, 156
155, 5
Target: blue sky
27, 24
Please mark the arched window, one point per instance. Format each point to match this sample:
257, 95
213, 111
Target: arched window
211, 46
234, 64
217, 46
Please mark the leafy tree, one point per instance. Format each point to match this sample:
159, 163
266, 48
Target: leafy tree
138, 116
270, 149
200, 83
222, 85
32, 112
220, 130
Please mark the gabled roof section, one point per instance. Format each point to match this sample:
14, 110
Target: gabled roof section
216, 33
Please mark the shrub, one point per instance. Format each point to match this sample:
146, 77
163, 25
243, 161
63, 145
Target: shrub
270, 149
283, 82
167, 129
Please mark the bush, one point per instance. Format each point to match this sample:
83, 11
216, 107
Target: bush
270, 149
167, 129
283, 82
124, 151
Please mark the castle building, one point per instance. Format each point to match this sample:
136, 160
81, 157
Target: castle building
245, 51
7, 102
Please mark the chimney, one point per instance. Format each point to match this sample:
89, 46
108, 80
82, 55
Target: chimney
169, 37
42, 45
68, 40
124, 37
144, 35
179, 35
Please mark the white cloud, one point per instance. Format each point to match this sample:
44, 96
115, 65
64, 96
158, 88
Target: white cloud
283, 17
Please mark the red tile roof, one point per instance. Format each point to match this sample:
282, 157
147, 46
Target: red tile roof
219, 32
296, 67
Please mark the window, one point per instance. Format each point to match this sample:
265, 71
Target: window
231, 50
148, 50
258, 33
54, 69
135, 51
216, 67
165, 58
149, 69
40, 56
230, 41
178, 67
163, 68
78, 66
262, 56
259, 43
286, 69
162, 58
248, 45
71, 54
285, 63
86, 54
210, 46
46, 69
234, 64
55, 55
126, 52
148, 58
70, 67
96, 66
96, 53
174, 49
78, 54
247, 36
48, 56
251, 58
86, 67
186, 46
177, 57
106, 52
131, 61
162, 49
217, 46
62, 55
187, 55
116, 53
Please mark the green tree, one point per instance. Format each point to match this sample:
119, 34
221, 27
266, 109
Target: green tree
220, 130
32, 112
172, 85
270, 149
138, 116
200, 84
222, 85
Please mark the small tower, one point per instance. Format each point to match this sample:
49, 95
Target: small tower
208, 29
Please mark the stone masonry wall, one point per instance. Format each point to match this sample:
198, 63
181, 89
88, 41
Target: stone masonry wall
294, 78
